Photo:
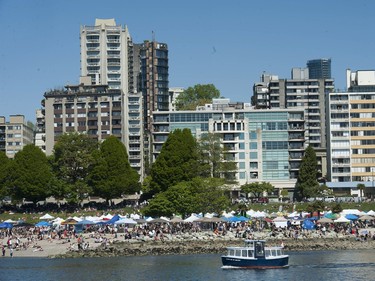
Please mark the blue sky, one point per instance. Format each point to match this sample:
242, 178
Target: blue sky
226, 43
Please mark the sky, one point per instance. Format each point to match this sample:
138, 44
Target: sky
225, 43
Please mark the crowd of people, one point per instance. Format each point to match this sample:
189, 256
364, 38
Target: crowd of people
26, 237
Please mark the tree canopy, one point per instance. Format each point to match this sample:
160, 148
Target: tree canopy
73, 159
196, 96
307, 184
112, 175
178, 161
257, 188
206, 195
213, 157
30, 175
4, 167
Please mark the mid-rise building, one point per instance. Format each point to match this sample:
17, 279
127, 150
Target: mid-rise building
14, 134
266, 145
94, 110
351, 136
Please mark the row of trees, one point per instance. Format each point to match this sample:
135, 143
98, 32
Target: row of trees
78, 167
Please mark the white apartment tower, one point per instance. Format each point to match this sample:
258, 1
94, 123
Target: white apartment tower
108, 57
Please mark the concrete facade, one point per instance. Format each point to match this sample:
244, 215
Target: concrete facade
14, 134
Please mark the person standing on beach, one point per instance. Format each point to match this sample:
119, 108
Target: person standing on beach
11, 252
3, 250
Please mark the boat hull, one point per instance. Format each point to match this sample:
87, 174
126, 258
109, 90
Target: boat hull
255, 263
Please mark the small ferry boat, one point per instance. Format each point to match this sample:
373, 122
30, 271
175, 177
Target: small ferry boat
254, 254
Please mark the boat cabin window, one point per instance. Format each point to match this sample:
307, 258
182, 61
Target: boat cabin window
244, 253
268, 253
238, 253
250, 253
231, 253
259, 248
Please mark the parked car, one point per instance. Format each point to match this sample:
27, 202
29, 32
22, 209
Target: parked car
262, 200
330, 198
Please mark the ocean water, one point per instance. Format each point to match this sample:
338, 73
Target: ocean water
306, 266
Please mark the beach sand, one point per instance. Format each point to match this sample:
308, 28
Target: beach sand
45, 248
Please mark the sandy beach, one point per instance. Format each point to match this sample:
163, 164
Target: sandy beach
48, 248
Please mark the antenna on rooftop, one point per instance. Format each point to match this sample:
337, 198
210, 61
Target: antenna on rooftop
153, 36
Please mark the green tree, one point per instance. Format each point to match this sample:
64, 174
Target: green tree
211, 195
4, 172
307, 184
112, 175
72, 160
196, 96
30, 175
183, 198
159, 206
205, 195
257, 188
213, 157
178, 161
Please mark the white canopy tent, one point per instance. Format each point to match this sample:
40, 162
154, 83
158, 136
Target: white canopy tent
47, 217
280, 222
191, 218
126, 221
342, 219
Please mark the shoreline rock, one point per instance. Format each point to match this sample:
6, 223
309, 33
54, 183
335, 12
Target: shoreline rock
212, 246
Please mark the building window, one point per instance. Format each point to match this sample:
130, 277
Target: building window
253, 155
253, 135
253, 145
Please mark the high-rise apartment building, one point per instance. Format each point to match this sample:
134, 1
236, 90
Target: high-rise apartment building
109, 57
121, 84
351, 138
299, 92
154, 79
14, 134
319, 69
104, 53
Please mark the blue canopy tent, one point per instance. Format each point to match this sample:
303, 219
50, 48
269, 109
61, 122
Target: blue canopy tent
308, 224
113, 219
6, 225
239, 218
80, 226
351, 217
42, 223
